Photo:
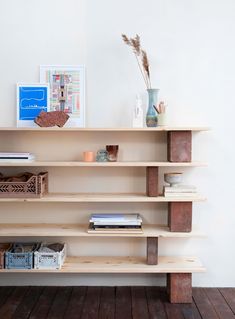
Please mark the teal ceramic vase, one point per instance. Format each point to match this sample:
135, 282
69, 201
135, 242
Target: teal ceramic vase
151, 115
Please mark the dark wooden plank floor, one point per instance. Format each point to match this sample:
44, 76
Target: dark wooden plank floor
112, 303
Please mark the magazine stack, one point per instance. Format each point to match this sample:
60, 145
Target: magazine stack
115, 223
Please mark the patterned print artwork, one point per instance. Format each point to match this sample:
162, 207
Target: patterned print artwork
66, 91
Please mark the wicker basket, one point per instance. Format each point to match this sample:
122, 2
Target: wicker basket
36, 186
17, 258
3, 248
50, 260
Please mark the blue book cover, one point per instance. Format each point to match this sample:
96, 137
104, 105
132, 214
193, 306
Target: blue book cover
32, 100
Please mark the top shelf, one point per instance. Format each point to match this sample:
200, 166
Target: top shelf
78, 129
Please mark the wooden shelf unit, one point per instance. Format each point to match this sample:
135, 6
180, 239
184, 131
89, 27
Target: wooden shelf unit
178, 269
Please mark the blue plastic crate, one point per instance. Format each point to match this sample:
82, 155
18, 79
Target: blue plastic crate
17, 258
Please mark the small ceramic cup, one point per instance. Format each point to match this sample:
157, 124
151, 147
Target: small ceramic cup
112, 152
161, 118
88, 156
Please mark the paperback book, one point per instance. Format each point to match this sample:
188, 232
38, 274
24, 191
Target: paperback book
180, 189
4, 156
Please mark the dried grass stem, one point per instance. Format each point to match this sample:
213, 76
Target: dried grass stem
141, 57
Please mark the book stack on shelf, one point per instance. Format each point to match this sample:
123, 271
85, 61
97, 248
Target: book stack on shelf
179, 191
115, 223
15, 157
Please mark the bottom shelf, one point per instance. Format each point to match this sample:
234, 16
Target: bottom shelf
121, 265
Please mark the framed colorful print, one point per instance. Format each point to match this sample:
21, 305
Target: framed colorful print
67, 91
31, 100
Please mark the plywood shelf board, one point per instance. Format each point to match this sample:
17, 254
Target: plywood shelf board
104, 198
100, 164
80, 230
122, 265
76, 129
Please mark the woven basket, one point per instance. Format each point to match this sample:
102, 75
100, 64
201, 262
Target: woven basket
3, 248
36, 186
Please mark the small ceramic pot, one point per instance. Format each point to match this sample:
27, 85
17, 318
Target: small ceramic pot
88, 156
173, 178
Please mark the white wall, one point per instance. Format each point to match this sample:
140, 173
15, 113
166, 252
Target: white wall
191, 50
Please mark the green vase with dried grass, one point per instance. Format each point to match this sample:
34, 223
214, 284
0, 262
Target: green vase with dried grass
143, 64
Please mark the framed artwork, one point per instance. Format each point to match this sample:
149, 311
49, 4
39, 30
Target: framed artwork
67, 91
31, 100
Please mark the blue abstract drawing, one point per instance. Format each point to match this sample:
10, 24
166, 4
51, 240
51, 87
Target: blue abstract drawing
32, 100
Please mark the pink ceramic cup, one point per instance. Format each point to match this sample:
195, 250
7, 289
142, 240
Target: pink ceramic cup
88, 156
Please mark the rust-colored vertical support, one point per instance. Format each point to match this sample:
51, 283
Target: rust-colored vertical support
152, 250
179, 287
152, 181
179, 146
180, 216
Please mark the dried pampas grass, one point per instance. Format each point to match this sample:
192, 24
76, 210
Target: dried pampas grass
141, 57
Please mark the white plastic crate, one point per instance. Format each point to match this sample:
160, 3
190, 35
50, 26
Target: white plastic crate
50, 260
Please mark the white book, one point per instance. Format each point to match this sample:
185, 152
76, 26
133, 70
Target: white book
16, 156
98, 223
180, 189
180, 194
115, 217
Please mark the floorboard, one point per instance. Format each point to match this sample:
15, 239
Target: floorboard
204, 305
220, 305
155, 299
92, 303
107, 303
139, 303
229, 296
123, 303
75, 304
5, 292
190, 311
60, 302
44, 303
27, 304
9, 307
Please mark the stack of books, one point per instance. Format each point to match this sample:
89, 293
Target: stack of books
15, 157
115, 223
180, 191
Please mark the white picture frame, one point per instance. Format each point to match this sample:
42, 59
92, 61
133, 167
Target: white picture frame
67, 91
31, 99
